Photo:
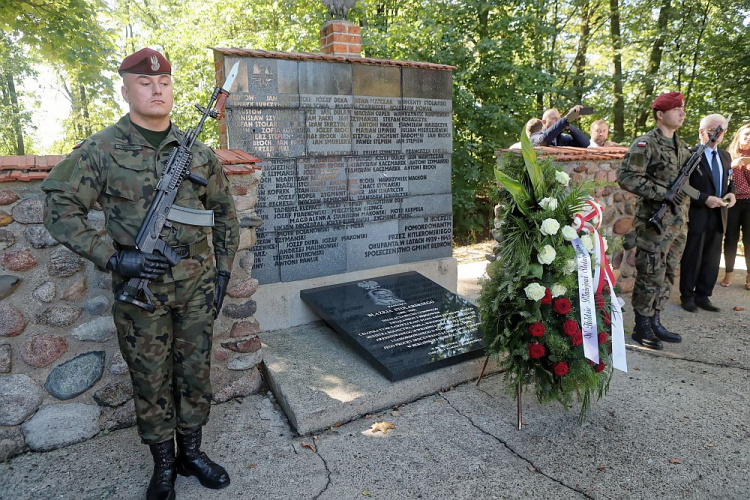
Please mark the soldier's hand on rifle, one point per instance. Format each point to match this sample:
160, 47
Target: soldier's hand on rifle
674, 199
222, 281
137, 264
574, 113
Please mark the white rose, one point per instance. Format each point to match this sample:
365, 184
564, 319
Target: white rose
569, 233
562, 178
570, 266
549, 227
606, 245
558, 290
534, 291
546, 255
548, 203
588, 242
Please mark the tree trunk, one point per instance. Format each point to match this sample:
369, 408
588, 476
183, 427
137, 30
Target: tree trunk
16, 118
696, 53
579, 63
618, 107
86, 119
654, 62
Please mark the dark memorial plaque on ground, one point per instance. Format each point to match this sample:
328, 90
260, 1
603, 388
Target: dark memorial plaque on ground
403, 324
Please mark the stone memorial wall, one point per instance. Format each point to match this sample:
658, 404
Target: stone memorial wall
356, 159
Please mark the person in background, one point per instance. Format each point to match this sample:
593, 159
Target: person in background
707, 220
532, 126
738, 218
555, 125
599, 133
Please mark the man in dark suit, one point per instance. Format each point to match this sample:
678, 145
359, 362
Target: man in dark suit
707, 220
554, 125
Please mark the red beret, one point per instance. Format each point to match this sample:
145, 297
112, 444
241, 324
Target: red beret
668, 101
145, 62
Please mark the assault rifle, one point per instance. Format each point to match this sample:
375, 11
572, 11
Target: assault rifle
163, 210
673, 196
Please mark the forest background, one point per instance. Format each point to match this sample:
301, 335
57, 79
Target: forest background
514, 59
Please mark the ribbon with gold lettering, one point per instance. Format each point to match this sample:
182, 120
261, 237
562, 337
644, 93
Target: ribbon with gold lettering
589, 221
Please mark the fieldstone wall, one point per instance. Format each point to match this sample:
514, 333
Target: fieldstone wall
62, 376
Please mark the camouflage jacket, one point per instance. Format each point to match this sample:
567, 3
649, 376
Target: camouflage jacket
649, 168
119, 169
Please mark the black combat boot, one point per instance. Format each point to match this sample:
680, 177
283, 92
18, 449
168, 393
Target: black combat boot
191, 461
662, 332
161, 486
644, 335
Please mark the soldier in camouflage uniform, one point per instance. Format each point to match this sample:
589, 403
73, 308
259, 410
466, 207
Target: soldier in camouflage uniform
649, 167
167, 351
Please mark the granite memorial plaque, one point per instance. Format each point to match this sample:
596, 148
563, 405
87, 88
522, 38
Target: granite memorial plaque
278, 186
321, 180
377, 177
426, 131
376, 87
266, 252
424, 238
264, 83
311, 253
427, 90
328, 131
267, 133
325, 85
375, 131
429, 173
403, 324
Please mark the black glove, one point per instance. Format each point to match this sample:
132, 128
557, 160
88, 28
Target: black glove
137, 264
674, 199
222, 281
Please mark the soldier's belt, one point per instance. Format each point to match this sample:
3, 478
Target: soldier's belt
186, 251
191, 216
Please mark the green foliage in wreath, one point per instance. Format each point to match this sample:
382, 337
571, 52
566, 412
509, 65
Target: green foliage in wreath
529, 302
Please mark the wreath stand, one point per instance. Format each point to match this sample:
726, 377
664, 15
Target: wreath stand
519, 391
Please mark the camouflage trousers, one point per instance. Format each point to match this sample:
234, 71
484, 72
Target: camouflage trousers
656, 259
168, 353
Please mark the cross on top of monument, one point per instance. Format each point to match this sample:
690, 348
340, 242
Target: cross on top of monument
339, 9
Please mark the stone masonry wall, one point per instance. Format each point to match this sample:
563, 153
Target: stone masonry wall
62, 376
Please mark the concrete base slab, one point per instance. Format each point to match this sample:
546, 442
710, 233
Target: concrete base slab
319, 380
279, 305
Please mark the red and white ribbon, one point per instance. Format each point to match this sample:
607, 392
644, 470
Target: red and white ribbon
590, 221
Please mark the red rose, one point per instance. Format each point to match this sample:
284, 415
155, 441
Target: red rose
562, 306
547, 299
591, 363
536, 351
537, 330
560, 368
577, 338
600, 367
602, 337
570, 327
607, 319
599, 301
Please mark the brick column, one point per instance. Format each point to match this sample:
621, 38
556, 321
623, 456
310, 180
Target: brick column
340, 38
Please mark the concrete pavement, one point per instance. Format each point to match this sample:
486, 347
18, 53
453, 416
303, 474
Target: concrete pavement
677, 425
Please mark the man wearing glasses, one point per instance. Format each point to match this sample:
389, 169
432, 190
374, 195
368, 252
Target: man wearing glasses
700, 262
